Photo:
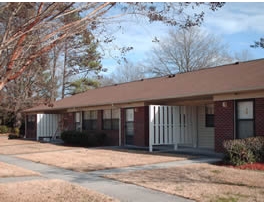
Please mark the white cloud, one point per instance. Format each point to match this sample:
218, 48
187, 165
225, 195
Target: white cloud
232, 20
236, 18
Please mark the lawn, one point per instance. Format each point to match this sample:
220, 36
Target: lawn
201, 182
7, 170
48, 190
20, 146
97, 159
4, 141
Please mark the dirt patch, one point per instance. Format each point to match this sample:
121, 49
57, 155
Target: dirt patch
7, 170
48, 190
98, 159
201, 182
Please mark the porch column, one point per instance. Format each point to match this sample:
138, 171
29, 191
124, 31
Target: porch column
151, 127
176, 126
120, 128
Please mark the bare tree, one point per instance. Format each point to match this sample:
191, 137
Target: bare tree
21, 22
243, 55
127, 72
186, 50
32, 88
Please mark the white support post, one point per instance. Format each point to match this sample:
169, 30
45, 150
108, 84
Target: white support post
165, 124
119, 130
170, 124
176, 126
194, 127
161, 120
151, 127
188, 124
156, 123
38, 126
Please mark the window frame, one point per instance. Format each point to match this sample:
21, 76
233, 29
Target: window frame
112, 120
237, 119
209, 116
91, 120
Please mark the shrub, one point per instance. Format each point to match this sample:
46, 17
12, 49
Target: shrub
4, 129
85, 138
13, 136
256, 145
16, 130
241, 151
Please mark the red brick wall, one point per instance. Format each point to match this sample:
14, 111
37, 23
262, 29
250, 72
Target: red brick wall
259, 116
224, 123
68, 121
141, 126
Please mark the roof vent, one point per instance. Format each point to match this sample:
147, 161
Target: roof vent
141, 79
171, 75
236, 63
115, 84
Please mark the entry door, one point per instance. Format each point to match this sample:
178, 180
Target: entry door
129, 127
31, 127
245, 119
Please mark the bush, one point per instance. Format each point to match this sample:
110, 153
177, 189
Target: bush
16, 130
4, 129
85, 138
241, 151
256, 145
13, 136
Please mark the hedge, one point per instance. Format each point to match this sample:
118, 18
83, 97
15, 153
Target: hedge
242, 151
85, 138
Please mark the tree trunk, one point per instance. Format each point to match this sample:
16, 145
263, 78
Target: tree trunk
64, 70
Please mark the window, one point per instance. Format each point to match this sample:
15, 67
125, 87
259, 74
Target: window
245, 119
78, 121
111, 119
31, 118
209, 115
90, 120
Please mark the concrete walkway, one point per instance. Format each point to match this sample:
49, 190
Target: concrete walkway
94, 181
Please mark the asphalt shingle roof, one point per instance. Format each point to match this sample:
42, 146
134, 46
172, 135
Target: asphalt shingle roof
237, 77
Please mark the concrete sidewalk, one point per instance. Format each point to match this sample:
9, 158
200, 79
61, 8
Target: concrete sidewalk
94, 181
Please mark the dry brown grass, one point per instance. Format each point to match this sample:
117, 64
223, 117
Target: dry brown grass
98, 159
20, 146
201, 182
7, 170
48, 190
4, 141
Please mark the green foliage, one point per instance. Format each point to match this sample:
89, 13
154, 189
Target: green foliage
256, 145
4, 129
85, 138
82, 85
241, 151
258, 44
16, 130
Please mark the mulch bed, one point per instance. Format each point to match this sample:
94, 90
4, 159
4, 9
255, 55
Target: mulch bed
249, 166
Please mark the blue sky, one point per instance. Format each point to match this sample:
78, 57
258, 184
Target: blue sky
237, 24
